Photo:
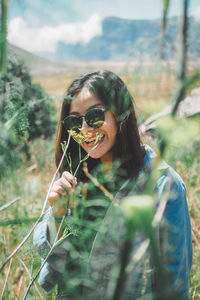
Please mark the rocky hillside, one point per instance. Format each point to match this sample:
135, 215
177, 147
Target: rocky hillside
123, 39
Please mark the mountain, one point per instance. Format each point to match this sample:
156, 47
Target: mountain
40, 66
123, 39
37, 65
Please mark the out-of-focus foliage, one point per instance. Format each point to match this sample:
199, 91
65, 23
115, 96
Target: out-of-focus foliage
138, 211
3, 33
25, 113
164, 22
177, 134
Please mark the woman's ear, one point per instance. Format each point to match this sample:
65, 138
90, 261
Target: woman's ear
121, 125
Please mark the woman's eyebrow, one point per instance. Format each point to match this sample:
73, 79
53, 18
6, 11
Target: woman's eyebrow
96, 105
92, 106
74, 113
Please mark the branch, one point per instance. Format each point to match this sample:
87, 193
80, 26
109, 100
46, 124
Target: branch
55, 244
3, 39
164, 25
6, 280
9, 203
42, 213
29, 275
182, 58
96, 183
18, 221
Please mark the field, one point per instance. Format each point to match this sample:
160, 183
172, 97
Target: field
152, 87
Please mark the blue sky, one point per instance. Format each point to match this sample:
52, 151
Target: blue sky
39, 25
46, 12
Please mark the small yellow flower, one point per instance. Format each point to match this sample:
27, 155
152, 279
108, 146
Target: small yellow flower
82, 137
79, 137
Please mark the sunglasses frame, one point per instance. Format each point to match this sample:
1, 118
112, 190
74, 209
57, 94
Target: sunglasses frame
84, 116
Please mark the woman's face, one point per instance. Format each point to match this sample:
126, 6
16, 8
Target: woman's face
102, 149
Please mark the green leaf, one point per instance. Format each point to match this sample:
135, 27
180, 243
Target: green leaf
138, 211
178, 132
3, 39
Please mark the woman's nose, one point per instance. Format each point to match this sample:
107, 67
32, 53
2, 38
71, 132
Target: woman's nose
85, 126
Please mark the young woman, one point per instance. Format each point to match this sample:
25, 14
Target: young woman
98, 113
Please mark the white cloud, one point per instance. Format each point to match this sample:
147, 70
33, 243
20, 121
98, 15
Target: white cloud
196, 13
46, 38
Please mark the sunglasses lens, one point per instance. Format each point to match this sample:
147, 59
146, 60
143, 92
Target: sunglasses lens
73, 123
95, 117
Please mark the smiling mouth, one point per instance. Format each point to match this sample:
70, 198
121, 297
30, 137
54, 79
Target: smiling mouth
94, 140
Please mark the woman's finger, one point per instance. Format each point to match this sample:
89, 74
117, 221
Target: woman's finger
58, 188
63, 183
69, 177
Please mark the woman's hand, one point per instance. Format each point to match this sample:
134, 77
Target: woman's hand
59, 189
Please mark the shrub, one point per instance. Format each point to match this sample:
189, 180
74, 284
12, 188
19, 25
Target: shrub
25, 114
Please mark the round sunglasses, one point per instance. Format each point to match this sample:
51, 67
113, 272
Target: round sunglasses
94, 117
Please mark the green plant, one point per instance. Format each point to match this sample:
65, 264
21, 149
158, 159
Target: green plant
25, 114
3, 37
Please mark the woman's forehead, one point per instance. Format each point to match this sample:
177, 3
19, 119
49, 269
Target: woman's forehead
84, 100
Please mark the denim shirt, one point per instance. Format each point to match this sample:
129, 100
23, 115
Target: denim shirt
173, 236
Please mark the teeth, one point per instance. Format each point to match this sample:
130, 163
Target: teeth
94, 139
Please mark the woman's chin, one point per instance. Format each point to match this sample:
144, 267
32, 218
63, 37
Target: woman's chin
99, 150
94, 154
94, 150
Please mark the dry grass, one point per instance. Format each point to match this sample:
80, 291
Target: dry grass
152, 91
151, 86
191, 178
30, 183
55, 85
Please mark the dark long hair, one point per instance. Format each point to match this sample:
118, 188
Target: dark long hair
113, 92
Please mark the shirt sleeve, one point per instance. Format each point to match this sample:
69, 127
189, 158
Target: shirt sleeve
175, 233
43, 239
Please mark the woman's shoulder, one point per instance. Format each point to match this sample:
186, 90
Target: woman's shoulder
171, 189
168, 177
170, 180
